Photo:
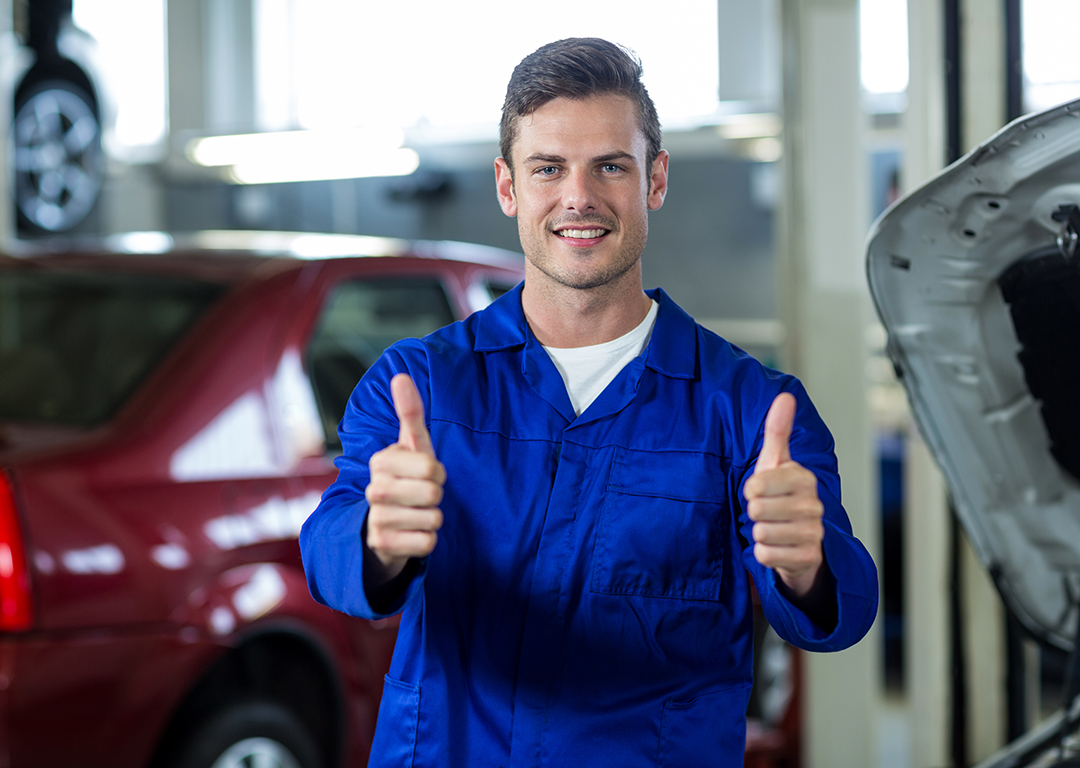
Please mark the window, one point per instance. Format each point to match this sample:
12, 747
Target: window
130, 54
444, 66
1051, 66
74, 345
361, 319
883, 46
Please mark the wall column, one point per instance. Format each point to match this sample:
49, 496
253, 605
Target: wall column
825, 306
983, 110
926, 513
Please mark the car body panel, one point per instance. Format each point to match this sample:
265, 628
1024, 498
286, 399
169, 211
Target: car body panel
941, 264
62, 684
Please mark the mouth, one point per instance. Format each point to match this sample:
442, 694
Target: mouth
594, 233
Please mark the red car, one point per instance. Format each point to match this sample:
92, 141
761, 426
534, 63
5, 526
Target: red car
168, 415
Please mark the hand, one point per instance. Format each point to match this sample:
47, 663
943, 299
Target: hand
405, 489
783, 502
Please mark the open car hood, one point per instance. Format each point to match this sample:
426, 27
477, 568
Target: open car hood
982, 310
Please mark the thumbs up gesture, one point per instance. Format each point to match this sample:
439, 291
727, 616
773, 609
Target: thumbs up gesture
783, 503
405, 489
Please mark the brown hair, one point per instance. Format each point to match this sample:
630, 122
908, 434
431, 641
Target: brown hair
576, 68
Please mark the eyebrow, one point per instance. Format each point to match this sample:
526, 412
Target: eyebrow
541, 158
614, 156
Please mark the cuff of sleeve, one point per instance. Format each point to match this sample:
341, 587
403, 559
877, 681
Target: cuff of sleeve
856, 592
390, 598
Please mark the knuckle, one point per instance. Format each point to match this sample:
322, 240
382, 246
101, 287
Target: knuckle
432, 470
434, 494
376, 539
378, 461
427, 545
375, 493
381, 519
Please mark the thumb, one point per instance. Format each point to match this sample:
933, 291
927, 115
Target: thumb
410, 412
778, 423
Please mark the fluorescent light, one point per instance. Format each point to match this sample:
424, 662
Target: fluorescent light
243, 148
282, 156
398, 162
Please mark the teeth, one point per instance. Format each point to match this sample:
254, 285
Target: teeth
582, 234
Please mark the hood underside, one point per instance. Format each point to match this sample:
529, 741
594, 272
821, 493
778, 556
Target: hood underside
982, 309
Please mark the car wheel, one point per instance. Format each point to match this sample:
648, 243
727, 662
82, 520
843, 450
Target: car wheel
59, 166
250, 734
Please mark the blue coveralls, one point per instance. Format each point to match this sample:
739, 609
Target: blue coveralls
588, 602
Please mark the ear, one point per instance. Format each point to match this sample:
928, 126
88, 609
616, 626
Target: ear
658, 181
504, 187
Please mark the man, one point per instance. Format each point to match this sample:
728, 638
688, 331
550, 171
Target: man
568, 493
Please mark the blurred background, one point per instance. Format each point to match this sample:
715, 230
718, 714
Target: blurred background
791, 125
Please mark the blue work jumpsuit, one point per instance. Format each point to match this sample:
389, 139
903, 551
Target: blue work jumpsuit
588, 602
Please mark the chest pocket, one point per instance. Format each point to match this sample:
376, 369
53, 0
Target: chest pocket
663, 526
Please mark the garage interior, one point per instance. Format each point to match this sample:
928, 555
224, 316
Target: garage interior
802, 120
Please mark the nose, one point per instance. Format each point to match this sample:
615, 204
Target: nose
579, 192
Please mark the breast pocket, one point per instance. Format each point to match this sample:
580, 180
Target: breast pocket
663, 526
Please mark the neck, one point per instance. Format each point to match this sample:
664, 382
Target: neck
566, 317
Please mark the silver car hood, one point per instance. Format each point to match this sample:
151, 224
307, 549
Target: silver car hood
983, 318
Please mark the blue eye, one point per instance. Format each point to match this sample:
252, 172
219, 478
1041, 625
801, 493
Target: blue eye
611, 168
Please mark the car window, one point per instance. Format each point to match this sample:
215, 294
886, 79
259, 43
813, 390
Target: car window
360, 320
74, 345
495, 290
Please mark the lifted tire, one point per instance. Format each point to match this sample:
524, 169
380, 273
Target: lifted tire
59, 167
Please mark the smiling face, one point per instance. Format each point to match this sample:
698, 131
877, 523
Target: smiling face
581, 192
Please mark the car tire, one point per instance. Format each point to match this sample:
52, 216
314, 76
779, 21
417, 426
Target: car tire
250, 733
59, 167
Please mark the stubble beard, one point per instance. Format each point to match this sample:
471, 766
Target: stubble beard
588, 278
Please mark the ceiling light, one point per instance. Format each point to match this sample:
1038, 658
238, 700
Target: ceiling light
398, 162
274, 157
751, 126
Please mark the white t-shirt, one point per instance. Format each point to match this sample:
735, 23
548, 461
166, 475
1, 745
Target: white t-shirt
587, 370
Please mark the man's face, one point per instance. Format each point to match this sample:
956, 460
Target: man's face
581, 190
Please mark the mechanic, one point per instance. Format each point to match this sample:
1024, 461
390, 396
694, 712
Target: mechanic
568, 493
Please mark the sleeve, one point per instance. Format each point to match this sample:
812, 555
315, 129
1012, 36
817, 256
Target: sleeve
853, 571
331, 539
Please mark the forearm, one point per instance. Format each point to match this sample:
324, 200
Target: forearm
813, 594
